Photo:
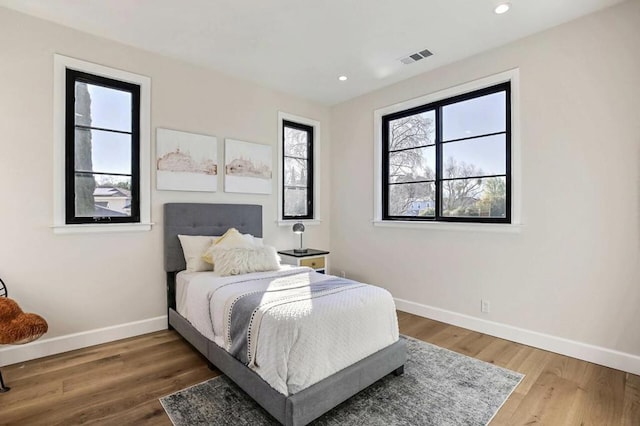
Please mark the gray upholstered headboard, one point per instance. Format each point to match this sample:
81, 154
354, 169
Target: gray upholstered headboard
204, 219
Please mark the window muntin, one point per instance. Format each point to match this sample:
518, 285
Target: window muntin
297, 170
449, 160
102, 150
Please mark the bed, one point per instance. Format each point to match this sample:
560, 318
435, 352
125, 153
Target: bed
298, 408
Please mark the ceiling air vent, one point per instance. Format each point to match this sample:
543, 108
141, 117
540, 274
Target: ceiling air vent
415, 57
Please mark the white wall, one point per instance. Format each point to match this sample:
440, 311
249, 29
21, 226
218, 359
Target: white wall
573, 272
85, 282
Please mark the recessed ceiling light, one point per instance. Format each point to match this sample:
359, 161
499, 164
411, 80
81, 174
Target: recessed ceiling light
342, 78
502, 8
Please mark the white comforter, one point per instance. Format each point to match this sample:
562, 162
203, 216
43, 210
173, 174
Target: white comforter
300, 342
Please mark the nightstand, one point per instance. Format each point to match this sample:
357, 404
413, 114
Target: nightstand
316, 259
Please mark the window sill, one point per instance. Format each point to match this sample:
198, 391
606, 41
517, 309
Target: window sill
290, 222
514, 228
89, 228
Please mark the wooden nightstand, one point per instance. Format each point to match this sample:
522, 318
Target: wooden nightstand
316, 259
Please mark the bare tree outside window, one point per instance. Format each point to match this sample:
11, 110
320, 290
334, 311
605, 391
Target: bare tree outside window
459, 194
412, 165
475, 196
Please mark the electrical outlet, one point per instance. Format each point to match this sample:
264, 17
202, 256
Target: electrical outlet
343, 274
485, 306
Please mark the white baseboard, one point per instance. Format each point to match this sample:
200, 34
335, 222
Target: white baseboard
44, 347
595, 354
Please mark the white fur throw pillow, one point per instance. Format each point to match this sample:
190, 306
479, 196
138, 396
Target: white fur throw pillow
236, 261
231, 239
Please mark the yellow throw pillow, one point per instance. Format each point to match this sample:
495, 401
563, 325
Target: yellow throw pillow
231, 239
231, 234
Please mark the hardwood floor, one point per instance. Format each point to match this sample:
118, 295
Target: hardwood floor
119, 383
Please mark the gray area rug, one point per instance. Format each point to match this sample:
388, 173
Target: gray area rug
439, 387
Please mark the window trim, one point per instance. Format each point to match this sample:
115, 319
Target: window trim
315, 125
61, 63
438, 144
511, 76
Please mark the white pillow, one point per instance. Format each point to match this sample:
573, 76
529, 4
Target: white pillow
236, 261
193, 247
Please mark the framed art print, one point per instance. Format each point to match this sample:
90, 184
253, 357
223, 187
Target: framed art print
186, 161
247, 167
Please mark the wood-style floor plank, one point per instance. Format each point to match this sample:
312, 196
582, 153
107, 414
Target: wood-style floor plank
631, 410
546, 402
119, 383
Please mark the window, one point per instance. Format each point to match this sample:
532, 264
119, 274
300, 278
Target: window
449, 160
298, 165
101, 148
297, 170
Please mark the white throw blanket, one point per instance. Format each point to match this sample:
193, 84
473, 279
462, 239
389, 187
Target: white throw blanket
304, 340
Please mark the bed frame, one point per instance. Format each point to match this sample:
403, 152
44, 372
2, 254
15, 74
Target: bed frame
293, 410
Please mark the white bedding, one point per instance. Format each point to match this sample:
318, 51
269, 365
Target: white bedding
301, 342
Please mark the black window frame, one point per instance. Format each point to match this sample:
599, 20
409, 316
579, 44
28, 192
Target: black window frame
437, 106
71, 77
310, 169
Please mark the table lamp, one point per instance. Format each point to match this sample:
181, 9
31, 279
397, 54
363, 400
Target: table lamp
298, 228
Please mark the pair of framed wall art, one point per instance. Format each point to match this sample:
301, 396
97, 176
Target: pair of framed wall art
189, 162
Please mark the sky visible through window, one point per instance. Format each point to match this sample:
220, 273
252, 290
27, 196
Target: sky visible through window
476, 117
110, 109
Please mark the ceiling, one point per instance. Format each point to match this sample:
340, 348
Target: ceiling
302, 46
